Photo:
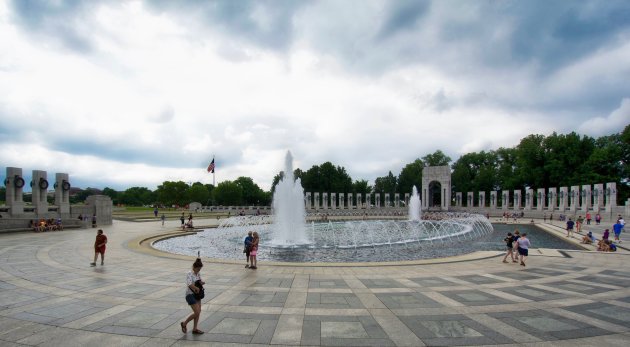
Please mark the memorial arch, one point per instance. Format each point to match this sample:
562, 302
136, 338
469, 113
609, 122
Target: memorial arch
436, 188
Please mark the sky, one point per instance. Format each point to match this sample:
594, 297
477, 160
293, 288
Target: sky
134, 93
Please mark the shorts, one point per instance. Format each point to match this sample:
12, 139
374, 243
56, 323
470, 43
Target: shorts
190, 299
253, 252
523, 251
100, 250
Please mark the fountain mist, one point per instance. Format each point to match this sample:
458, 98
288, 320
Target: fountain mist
288, 207
414, 205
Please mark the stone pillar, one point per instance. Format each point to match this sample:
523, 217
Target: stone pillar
341, 201
396, 200
350, 204
102, 207
424, 201
62, 193
482, 199
368, 200
377, 200
458, 199
470, 200
325, 201
540, 199
39, 186
552, 199
529, 199
446, 195
14, 183
308, 201
316, 200
359, 202
517, 200
493, 199
598, 197
407, 199
564, 198
388, 201
333, 201
611, 196
574, 195
505, 200
586, 198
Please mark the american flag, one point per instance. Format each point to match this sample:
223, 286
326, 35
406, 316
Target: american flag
211, 166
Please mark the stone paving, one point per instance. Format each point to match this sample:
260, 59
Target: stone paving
50, 296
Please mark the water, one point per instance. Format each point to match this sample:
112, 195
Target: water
351, 241
414, 205
289, 211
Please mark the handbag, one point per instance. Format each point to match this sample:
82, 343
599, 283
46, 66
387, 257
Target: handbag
200, 294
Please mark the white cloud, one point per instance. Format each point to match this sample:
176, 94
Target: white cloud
615, 122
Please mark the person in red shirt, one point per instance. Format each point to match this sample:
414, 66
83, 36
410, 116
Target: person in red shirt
99, 247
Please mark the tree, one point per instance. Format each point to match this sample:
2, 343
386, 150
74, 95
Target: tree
250, 191
3, 194
137, 196
410, 175
437, 158
198, 192
228, 193
112, 194
361, 187
172, 193
386, 184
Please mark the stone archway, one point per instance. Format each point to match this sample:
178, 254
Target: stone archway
436, 184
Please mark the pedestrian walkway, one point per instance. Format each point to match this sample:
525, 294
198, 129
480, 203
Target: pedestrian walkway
50, 296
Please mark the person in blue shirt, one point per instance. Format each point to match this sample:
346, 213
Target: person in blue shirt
570, 225
248, 248
617, 230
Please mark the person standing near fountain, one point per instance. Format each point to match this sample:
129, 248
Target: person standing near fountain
195, 304
509, 240
248, 249
523, 247
254, 252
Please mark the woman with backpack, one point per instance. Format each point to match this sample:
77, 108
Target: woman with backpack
194, 294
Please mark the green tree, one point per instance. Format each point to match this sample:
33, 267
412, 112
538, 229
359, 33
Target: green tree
137, 196
3, 194
198, 192
385, 184
361, 187
437, 158
228, 193
112, 194
410, 175
250, 191
172, 193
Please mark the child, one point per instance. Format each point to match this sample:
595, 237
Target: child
509, 240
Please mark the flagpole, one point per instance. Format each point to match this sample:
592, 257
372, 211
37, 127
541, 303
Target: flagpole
213, 184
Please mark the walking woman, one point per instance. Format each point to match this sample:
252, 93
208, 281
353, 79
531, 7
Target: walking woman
509, 240
252, 255
523, 247
192, 279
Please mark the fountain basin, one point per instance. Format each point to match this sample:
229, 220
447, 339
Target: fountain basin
355, 241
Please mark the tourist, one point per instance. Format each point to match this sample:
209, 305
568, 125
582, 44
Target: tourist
58, 224
155, 212
570, 224
99, 247
509, 240
254, 251
578, 224
181, 219
606, 234
588, 218
588, 238
545, 217
163, 218
617, 230
523, 247
248, 248
190, 218
598, 219
516, 236
94, 220
623, 223
193, 281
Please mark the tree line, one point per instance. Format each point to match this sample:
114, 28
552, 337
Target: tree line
538, 161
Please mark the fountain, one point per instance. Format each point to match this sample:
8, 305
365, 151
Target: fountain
414, 205
286, 236
289, 213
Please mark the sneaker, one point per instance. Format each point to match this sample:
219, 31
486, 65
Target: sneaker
505, 261
253, 267
247, 266
522, 264
102, 263
92, 264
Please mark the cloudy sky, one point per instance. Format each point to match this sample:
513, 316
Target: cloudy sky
133, 93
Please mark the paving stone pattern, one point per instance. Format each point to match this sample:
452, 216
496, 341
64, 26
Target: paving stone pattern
50, 296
